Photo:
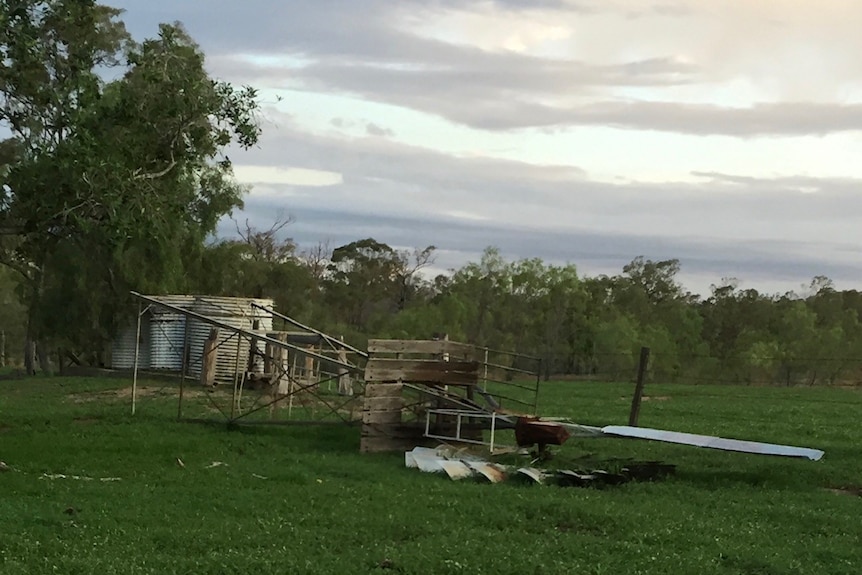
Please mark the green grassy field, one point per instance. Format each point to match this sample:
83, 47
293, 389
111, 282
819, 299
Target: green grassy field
303, 500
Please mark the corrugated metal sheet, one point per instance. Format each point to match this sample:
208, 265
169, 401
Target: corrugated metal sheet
236, 312
123, 347
167, 333
456, 469
183, 301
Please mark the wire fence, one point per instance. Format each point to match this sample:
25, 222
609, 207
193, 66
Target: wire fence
699, 369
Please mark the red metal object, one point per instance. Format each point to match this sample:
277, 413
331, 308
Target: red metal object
530, 431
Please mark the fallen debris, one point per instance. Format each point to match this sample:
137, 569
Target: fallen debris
54, 476
460, 465
712, 442
215, 464
4, 468
852, 491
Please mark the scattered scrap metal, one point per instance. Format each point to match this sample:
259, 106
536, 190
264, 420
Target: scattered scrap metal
543, 432
459, 464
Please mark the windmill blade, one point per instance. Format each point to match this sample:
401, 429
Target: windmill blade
712, 442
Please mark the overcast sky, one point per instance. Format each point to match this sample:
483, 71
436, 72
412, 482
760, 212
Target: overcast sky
725, 133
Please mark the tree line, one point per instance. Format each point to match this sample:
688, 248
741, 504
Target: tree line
115, 174
577, 325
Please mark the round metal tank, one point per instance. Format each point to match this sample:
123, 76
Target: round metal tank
123, 347
235, 312
167, 333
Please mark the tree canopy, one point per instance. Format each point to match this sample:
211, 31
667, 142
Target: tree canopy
107, 184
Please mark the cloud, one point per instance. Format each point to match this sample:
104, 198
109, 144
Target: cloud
684, 60
373, 129
784, 228
692, 89
771, 265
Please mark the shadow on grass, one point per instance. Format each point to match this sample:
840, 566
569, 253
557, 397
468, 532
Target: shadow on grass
326, 437
711, 479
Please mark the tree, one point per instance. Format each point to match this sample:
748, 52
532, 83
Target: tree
114, 185
362, 281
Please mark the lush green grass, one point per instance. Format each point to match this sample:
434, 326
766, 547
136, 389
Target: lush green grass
303, 500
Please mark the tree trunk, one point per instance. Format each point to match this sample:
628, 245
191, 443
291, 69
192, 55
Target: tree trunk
43, 352
30, 356
34, 349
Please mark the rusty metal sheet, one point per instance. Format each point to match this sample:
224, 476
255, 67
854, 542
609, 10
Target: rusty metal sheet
536, 475
456, 469
491, 472
573, 478
530, 431
712, 442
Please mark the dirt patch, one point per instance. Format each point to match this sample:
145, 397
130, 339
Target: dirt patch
143, 391
122, 393
5, 428
850, 490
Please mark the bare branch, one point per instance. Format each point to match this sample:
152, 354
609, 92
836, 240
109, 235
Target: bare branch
156, 175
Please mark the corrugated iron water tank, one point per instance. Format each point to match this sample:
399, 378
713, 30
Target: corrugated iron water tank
232, 351
123, 347
167, 333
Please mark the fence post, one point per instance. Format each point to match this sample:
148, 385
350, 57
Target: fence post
639, 387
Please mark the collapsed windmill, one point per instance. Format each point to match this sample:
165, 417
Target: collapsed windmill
422, 392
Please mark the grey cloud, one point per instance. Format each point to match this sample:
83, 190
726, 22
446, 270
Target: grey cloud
497, 186
498, 108
726, 226
383, 63
381, 159
373, 129
768, 265
357, 48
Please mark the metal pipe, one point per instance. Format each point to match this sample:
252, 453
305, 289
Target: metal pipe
509, 353
538, 382
514, 369
331, 340
137, 353
493, 429
235, 378
485, 376
184, 370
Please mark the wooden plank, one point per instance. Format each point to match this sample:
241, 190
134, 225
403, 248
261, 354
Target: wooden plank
426, 364
420, 346
424, 377
383, 390
442, 372
208, 359
383, 404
